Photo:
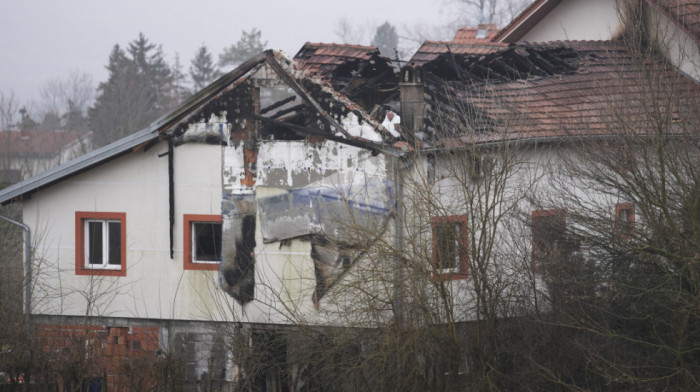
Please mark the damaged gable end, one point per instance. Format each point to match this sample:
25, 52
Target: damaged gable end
299, 159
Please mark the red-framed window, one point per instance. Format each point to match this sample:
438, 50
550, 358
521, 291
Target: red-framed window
548, 236
624, 220
100, 243
449, 242
202, 242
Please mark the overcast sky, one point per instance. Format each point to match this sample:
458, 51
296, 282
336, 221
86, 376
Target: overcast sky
41, 40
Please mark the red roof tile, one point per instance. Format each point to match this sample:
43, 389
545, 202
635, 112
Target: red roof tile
322, 59
470, 35
465, 41
595, 84
35, 143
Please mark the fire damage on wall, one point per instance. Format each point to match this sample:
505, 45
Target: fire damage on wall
298, 155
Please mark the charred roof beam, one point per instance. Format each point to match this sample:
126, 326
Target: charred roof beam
278, 104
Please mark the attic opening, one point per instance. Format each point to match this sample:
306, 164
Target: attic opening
280, 104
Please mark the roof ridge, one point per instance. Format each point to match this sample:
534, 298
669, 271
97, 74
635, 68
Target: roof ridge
331, 44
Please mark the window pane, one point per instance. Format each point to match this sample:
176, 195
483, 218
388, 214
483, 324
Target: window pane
94, 242
115, 243
207, 241
447, 245
548, 235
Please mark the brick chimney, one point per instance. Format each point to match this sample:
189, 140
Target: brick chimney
412, 102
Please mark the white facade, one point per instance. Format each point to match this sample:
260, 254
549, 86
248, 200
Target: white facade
577, 20
158, 287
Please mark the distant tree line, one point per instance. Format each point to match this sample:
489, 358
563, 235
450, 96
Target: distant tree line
141, 86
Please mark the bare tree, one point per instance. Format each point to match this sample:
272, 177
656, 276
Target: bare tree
9, 108
66, 97
499, 12
622, 273
350, 33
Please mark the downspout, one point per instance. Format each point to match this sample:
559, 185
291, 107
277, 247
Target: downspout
171, 192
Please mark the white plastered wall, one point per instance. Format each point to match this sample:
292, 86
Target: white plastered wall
537, 175
284, 272
136, 184
577, 20
679, 48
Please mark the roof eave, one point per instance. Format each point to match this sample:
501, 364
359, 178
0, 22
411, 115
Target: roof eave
522, 23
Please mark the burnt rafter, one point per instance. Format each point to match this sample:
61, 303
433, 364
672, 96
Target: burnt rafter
356, 142
358, 72
519, 61
278, 104
287, 111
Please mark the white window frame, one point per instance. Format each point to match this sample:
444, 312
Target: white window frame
193, 243
105, 245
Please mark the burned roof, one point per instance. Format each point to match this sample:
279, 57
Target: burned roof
234, 96
359, 72
467, 40
323, 59
546, 90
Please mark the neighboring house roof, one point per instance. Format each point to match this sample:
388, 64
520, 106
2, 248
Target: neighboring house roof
475, 35
684, 13
317, 97
548, 90
472, 40
525, 20
35, 143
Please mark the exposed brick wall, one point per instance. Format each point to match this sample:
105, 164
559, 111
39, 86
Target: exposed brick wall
123, 357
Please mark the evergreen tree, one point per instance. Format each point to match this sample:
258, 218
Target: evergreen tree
180, 91
202, 70
138, 90
386, 40
149, 61
248, 46
73, 119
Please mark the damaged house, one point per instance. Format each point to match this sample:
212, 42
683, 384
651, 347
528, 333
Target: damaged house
274, 201
229, 209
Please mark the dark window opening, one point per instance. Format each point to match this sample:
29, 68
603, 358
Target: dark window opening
450, 246
95, 243
100, 243
206, 237
447, 246
104, 242
202, 242
624, 220
548, 235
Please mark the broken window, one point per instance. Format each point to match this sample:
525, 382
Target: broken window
100, 242
202, 240
450, 246
280, 105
